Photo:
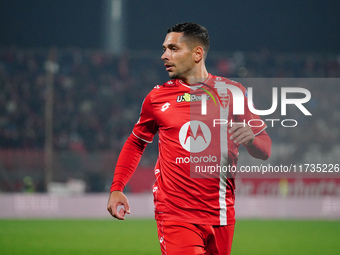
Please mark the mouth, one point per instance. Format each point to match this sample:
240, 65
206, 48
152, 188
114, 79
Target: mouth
168, 67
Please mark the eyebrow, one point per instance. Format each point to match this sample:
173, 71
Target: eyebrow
170, 45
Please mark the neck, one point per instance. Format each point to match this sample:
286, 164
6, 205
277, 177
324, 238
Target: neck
198, 75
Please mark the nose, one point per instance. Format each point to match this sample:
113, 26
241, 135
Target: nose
165, 55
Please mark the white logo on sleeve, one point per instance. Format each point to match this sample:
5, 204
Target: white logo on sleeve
195, 136
165, 106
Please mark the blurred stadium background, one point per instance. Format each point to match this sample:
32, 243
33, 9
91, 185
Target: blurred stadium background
73, 75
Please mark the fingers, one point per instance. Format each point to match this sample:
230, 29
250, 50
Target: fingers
127, 207
118, 205
241, 134
115, 213
112, 210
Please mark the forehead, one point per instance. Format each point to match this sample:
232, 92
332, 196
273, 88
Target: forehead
173, 38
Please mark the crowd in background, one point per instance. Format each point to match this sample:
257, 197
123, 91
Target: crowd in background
97, 95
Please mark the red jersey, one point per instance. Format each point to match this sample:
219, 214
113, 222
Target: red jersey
192, 143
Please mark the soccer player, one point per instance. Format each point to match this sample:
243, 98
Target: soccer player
199, 137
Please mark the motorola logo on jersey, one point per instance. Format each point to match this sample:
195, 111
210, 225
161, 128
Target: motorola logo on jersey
195, 136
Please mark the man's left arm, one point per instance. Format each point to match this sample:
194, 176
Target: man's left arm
258, 146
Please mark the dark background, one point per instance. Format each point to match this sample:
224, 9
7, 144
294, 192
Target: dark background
247, 25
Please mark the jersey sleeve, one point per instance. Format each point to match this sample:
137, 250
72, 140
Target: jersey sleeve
131, 153
146, 126
127, 163
261, 147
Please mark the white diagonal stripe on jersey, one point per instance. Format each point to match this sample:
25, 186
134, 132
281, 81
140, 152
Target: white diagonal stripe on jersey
141, 138
260, 131
224, 112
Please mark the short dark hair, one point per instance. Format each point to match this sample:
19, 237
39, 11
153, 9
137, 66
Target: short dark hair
194, 32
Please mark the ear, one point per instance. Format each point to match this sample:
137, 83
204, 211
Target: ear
198, 54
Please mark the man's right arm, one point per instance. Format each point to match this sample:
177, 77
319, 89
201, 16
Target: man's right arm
129, 157
127, 163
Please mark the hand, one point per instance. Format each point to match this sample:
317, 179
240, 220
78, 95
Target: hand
241, 134
117, 198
